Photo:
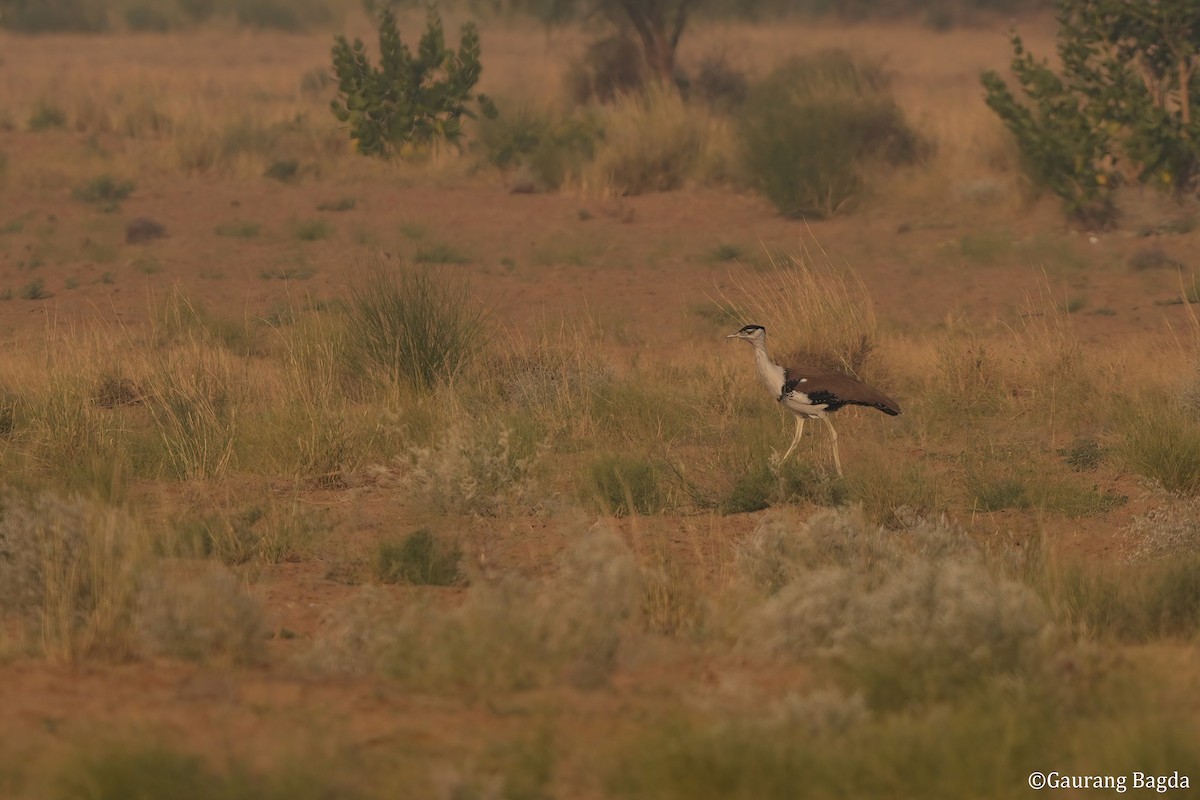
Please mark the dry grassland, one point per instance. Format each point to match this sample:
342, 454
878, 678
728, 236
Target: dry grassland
247, 549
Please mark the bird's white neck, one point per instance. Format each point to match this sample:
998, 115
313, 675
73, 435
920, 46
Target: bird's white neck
770, 373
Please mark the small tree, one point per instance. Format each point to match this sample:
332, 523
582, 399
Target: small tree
408, 100
659, 24
1125, 94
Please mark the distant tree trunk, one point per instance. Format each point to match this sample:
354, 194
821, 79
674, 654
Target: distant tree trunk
658, 24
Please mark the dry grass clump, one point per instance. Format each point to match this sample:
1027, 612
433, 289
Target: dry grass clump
1162, 442
514, 633
198, 611
259, 533
194, 393
1172, 529
553, 380
485, 472
68, 570
656, 142
906, 616
814, 313
1159, 599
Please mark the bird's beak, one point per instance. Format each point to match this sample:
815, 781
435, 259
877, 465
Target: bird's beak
734, 336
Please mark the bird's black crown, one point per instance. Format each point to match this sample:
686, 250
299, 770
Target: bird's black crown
752, 329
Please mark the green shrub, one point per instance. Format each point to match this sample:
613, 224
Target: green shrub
626, 485
284, 15
407, 101
35, 290
440, 253
285, 170
46, 116
827, 742
148, 16
610, 67
240, 229
312, 230
54, 16
104, 191
554, 148
152, 771
341, 204
809, 130
141, 770
412, 326
419, 558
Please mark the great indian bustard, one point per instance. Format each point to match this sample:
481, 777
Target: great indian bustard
811, 393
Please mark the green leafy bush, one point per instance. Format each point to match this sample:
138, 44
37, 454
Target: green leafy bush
407, 101
809, 128
1124, 96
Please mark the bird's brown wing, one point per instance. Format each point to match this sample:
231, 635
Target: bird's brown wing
838, 389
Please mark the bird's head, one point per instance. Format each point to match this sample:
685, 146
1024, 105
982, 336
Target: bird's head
751, 333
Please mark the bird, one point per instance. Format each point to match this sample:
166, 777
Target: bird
811, 393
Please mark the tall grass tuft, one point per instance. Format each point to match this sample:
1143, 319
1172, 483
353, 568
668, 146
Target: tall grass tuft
624, 485
182, 320
412, 326
814, 313
316, 430
1162, 441
1150, 601
194, 399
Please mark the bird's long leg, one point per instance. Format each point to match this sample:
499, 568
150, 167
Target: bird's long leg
795, 439
837, 462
